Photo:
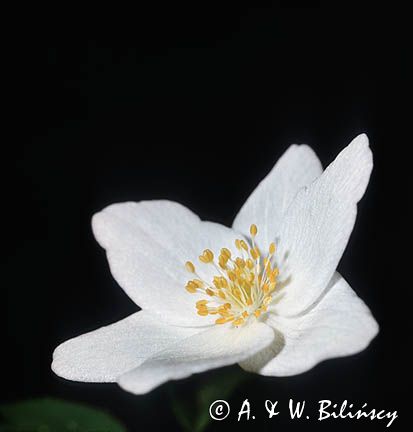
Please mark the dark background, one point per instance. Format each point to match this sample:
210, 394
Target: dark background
195, 105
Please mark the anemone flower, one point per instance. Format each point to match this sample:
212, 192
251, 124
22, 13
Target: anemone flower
264, 294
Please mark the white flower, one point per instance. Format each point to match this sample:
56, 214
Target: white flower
264, 293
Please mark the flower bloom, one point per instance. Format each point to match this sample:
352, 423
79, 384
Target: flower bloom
264, 293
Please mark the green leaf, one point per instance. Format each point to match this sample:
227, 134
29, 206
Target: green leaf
193, 414
53, 415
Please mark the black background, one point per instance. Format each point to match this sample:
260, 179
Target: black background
195, 105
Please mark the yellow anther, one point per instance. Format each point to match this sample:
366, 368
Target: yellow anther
267, 300
227, 305
238, 322
222, 261
254, 253
253, 230
222, 295
250, 264
190, 267
224, 320
244, 245
257, 313
238, 244
224, 282
209, 292
249, 302
207, 256
245, 314
217, 281
223, 258
198, 283
226, 252
273, 275
272, 248
191, 287
223, 312
202, 312
265, 288
240, 262
237, 293
200, 303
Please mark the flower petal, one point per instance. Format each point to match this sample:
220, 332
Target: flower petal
339, 325
104, 354
318, 224
298, 166
147, 245
218, 346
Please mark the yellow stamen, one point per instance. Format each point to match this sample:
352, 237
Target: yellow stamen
209, 292
191, 287
201, 303
243, 288
244, 245
240, 262
257, 313
238, 322
253, 230
207, 256
272, 248
224, 320
226, 252
190, 267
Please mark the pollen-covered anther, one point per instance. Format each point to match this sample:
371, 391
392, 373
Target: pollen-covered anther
207, 256
244, 287
253, 230
191, 287
190, 267
272, 249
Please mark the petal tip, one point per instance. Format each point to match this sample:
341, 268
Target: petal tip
363, 143
362, 138
99, 228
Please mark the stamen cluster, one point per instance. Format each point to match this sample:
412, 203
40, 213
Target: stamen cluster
243, 287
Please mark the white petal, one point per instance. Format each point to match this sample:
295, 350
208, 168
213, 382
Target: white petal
104, 354
339, 325
318, 224
147, 245
298, 166
219, 346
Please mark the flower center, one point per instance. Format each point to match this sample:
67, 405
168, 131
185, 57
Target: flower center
244, 284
